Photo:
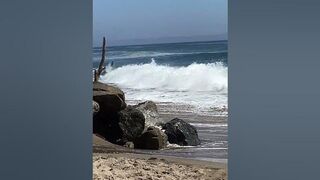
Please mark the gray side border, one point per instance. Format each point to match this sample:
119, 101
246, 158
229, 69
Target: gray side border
45, 99
274, 94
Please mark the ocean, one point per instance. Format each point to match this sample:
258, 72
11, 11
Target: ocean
186, 80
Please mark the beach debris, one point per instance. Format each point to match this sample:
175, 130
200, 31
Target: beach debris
181, 133
153, 138
101, 68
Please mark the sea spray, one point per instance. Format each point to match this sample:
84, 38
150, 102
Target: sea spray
195, 77
199, 87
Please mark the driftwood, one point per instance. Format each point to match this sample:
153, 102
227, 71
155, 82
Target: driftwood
101, 68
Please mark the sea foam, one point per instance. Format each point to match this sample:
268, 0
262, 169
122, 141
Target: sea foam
195, 77
202, 87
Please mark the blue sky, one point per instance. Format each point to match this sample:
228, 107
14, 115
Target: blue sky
148, 21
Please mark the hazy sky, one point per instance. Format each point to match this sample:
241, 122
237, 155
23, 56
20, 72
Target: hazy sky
145, 21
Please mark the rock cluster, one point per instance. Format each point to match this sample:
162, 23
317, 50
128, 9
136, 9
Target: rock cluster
115, 121
135, 126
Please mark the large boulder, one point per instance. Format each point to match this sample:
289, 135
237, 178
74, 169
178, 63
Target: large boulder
119, 127
131, 123
150, 112
153, 138
181, 133
109, 98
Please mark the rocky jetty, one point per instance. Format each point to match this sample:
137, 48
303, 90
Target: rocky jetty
135, 126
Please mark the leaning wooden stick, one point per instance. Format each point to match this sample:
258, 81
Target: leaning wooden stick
101, 67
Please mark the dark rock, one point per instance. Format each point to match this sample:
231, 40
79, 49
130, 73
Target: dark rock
110, 98
150, 112
181, 133
131, 122
153, 138
107, 126
119, 127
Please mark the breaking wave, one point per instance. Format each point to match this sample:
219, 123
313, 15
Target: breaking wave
196, 77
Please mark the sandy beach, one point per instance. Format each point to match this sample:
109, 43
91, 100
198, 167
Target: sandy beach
115, 162
134, 166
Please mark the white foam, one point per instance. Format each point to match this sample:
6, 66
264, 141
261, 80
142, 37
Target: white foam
210, 125
195, 77
203, 86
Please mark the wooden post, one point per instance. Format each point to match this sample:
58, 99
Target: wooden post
101, 67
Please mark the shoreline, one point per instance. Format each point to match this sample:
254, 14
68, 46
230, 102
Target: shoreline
168, 159
112, 161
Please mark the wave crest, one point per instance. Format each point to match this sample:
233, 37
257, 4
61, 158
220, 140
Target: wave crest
195, 77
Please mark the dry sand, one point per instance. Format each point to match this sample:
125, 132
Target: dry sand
115, 162
124, 166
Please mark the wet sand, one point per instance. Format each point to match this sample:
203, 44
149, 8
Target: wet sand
116, 162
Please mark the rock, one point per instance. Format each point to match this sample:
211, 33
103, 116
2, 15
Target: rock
110, 98
150, 112
119, 127
107, 126
153, 138
132, 123
147, 105
129, 145
95, 107
181, 133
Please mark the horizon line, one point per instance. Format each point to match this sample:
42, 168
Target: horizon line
162, 43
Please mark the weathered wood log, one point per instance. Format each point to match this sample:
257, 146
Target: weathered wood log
101, 67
